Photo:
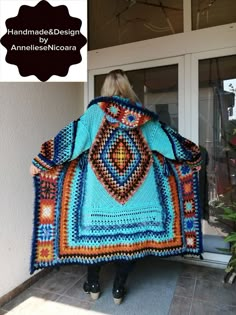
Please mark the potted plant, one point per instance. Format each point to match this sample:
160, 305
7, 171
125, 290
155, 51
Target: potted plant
230, 214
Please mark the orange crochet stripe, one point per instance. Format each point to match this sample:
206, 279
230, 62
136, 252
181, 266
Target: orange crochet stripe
118, 248
65, 204
41, 162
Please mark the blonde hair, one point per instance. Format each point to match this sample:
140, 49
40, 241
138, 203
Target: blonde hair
117, 83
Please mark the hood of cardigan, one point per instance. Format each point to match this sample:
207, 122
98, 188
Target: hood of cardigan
122, 112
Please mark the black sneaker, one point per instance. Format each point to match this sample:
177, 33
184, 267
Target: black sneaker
118, 294
93, 289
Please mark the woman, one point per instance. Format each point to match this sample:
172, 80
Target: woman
115, 185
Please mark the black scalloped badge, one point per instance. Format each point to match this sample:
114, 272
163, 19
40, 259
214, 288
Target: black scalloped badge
43, 40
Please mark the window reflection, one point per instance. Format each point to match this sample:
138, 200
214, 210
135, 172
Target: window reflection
217, 137
207, 13
117, 22
157, 89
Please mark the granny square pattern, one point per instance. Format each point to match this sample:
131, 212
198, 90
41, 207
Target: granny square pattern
128, 117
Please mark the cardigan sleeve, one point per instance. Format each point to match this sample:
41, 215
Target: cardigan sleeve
173, 146
184, 150
67, 145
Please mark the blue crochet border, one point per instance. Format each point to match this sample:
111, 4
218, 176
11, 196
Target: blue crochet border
197, 218
35, 223
169, 132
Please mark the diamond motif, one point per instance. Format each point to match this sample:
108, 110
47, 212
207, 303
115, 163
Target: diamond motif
121, 156
120, 159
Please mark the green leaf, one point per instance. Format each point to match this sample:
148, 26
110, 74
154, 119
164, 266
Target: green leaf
228, 210
230, 238
226, 216
228, 268
232, 216
232, 262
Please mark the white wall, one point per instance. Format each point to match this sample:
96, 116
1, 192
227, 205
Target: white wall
30, 113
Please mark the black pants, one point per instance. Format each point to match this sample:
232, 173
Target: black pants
123, 269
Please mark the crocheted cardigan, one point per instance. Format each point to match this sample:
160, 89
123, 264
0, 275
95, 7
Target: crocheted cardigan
116, 184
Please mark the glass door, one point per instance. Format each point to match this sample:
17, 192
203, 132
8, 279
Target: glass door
157, 88
217, 138
164, 87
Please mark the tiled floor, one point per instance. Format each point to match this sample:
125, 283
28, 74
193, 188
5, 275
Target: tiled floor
199, 290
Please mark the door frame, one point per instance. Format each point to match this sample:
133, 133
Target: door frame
194, 118
195, 58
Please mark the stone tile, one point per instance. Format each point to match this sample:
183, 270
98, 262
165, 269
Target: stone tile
216, 292
211, 274
29, 299
57, 282
202, 272
189, 271
203, 308
77, 292
185, 287
180, 306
